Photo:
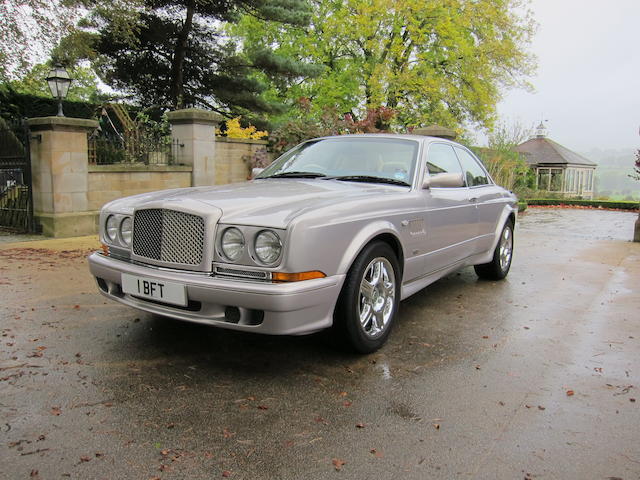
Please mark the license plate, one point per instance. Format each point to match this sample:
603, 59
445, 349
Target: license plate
167, 292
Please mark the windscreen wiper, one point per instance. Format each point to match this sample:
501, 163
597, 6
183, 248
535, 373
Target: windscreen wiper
370, 179
296, 175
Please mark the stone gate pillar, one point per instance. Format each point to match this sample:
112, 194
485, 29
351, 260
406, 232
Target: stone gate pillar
59, 169
194, 130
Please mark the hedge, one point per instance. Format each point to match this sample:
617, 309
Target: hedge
623, 205
15, 105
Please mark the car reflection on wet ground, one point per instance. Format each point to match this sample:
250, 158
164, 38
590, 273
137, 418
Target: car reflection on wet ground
533, 377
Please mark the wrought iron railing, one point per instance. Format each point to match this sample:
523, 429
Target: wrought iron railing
143, 149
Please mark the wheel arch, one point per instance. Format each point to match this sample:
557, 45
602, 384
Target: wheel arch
383, 233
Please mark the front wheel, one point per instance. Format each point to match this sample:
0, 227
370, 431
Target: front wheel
499, 266
369, 300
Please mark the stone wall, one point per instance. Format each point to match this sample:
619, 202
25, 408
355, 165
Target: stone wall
230, 164
108, 182
68, 192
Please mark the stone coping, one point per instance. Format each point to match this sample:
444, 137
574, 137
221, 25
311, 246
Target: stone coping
61, 123
435, 131
194, 115
138, 167
241, 140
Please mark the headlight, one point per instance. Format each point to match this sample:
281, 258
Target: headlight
268, 246
111, 230
232, 244
126, 230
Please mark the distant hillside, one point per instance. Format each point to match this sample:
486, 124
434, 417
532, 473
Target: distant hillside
612, 178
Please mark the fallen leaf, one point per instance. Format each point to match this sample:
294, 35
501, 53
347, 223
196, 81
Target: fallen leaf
108, 404
55, 411
632, 400
376, 453
76, 307
226, 474
343, 394
337, 463
320, 420
85, 459
227, 433
263, 407
526, 328
165, 452
570, 393
347, 403
436, 426
485, 336
501, 403
34, 473
360, 425
540, 407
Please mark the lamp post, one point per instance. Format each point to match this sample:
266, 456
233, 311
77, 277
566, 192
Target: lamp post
59, 81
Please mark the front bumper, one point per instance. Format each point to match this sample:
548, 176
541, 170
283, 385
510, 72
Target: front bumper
295, 308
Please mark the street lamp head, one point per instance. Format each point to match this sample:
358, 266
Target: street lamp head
59, 82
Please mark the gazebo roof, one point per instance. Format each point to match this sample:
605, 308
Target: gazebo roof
541, 150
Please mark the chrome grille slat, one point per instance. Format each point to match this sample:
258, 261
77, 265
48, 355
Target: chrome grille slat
168, 236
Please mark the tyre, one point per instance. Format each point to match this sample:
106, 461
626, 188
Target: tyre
499, 266
369, 299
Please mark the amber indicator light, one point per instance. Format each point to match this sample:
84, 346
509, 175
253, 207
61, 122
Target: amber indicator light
296, 277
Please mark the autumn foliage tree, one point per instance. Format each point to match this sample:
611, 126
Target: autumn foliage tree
636, 169
437, 61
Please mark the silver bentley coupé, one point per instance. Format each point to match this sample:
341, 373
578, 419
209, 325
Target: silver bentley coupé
333, 234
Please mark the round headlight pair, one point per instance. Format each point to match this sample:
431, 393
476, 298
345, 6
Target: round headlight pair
124, 226
267, 245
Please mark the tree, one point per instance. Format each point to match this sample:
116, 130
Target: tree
441, 61
636, 169
83, 88
28, 30
506, 166
174, 53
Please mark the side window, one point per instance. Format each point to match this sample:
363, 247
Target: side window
442, 159
473, 171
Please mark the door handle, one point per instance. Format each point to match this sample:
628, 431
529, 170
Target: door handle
473, 199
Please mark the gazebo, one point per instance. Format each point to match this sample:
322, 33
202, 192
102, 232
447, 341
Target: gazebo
558, 169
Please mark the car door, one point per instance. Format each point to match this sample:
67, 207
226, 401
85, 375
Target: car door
450, 216
486, 196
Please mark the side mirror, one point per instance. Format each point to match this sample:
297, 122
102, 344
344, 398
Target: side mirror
443, 180
255, 172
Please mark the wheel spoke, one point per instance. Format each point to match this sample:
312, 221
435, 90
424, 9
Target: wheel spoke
376, 273
366, 290
365, 315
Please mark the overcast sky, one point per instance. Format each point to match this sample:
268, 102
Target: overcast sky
588, 79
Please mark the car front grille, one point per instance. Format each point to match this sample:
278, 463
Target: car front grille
168, 236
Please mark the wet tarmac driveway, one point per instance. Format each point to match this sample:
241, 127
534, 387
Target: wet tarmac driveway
534, 377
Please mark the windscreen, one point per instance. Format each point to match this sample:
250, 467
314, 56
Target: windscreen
338, 157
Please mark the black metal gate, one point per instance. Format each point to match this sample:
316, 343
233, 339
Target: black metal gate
16, 200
